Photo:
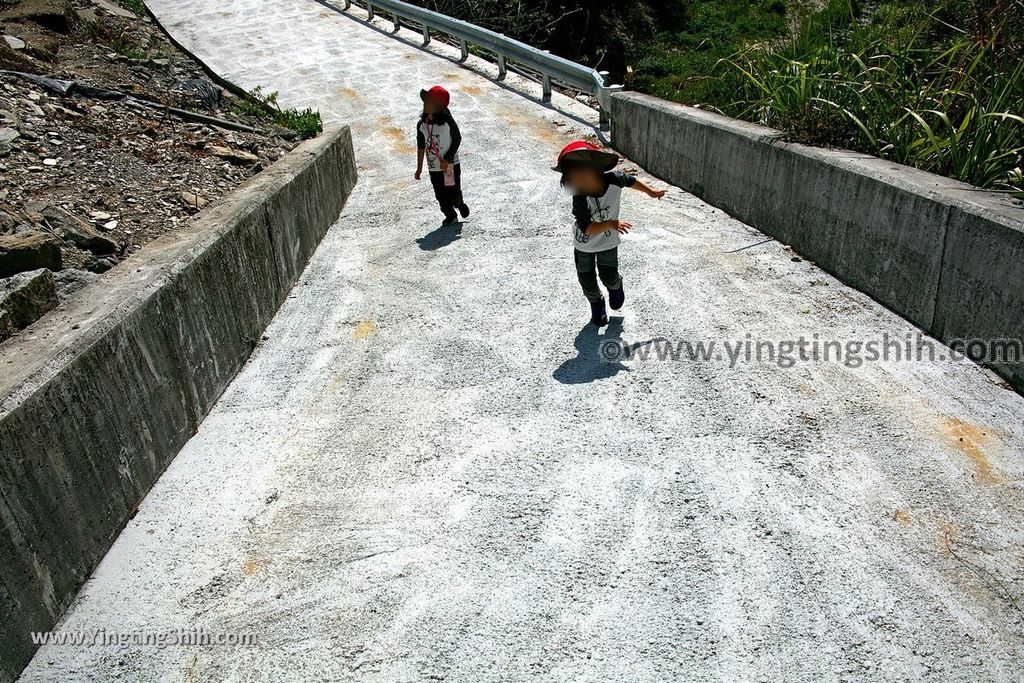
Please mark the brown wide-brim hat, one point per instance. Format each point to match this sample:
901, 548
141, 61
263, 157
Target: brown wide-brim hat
582, 152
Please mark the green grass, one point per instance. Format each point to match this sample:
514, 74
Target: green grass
909, 87
136, 6
127, 47
938, 85
305, 123
680, 65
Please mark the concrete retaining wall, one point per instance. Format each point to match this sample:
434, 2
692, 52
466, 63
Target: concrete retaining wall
939, 252
96, 400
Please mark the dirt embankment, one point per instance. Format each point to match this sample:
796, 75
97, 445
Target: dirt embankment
88, 179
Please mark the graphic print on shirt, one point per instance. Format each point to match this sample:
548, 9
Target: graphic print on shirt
600, 211
438, 139
433, 146
590, 210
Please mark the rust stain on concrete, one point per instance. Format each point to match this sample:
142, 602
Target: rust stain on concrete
971, 440
902, 516
399, 140
365, 329
347, 92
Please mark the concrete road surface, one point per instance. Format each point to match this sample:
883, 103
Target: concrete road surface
426, 472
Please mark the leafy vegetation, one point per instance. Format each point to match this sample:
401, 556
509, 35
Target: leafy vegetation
128, 48
911, 86
599, 33
305, 123
136, 6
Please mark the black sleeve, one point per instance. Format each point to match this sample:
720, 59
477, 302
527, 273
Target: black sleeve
581, 211
621, 179
456, 141
421, 139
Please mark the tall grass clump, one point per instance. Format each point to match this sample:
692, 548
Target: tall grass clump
910, 86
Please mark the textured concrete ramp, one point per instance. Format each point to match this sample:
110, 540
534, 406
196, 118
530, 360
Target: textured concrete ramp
426, 473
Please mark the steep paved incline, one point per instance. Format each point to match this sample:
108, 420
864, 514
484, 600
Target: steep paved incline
426, 473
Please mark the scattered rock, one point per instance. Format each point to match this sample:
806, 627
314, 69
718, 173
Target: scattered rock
28, 250
193, 200
88, 15
15, 43
24, 299
71, 280
8, 223
36, 206
113, 8
101, 265
234, 156
78, 232
16, 60
124, 175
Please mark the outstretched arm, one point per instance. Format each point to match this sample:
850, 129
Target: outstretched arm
649, 191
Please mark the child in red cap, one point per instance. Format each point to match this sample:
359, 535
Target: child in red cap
438, 140
587, 172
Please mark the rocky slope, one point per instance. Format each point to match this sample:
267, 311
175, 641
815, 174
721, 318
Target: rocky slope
87, 180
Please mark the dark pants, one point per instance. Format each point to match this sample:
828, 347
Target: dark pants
589, 266
449, 198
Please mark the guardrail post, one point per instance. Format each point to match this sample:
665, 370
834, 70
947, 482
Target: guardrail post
465, 49
547, 88
369, 11
426, 34
604, 104
398, 22
502, 68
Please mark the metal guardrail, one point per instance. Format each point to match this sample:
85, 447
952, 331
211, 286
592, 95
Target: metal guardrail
551, 68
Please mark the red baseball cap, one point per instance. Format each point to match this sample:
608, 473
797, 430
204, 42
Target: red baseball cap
439, 94
582, 151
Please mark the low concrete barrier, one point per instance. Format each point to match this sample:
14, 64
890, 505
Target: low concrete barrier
97, 399
941, 253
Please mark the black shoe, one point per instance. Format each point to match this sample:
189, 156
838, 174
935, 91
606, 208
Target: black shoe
616, 297
598, 314
449, 220
464, 210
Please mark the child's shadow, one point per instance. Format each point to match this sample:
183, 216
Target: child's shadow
441, 237
600, 355
597, 357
